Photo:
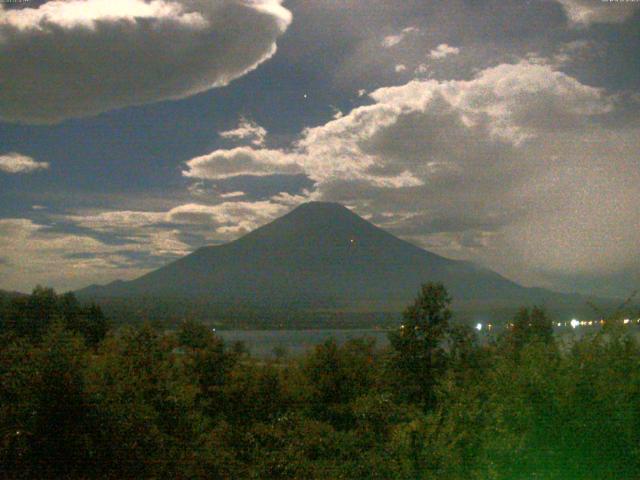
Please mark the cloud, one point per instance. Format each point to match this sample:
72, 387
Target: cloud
232, 194
582, 13
443, 51
400, 68
118, 221
35, 254
18, 163
222, 164
423, 71
228, 219
246, 130
583, 205
164, 233
522, 99
85, 57
569, 52
393, 40
423, 130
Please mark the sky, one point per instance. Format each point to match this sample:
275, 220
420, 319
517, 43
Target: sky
505, 132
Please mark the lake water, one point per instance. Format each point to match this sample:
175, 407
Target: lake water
262, 343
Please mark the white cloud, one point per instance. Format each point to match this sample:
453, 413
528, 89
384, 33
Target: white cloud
34, 254
232, 194
393, 40
228, 219
148, 232
127, 52
241, 161
160, 233
582, 13
443, 51
522, 99
117, 221
400, 68
145, 224
422, 69
18, 163
246, 130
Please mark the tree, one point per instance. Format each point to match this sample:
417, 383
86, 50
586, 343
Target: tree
145, 422
43, 414
40, 310
194, 334
96, 325
529, 326
31, 316
337, 375
418, 356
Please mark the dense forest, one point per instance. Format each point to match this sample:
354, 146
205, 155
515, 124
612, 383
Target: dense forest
81, 400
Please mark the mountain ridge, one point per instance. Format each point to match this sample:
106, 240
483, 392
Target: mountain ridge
321, 255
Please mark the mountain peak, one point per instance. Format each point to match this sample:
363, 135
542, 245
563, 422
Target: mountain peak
313, 219
320, 208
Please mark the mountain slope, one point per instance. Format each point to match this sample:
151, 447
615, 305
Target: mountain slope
320, 255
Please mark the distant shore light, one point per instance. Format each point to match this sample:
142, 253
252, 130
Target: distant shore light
574, 323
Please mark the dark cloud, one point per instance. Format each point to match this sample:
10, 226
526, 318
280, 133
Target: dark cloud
75, 58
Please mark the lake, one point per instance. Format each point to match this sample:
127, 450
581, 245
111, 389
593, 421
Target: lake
261, 343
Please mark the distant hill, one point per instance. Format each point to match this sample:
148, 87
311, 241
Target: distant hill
7, 295
322, 256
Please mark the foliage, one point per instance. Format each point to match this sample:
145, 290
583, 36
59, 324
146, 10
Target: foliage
438, 403
529, 326
418, 355
31, 316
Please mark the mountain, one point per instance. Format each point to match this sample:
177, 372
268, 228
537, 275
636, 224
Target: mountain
322, 256
9, 295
